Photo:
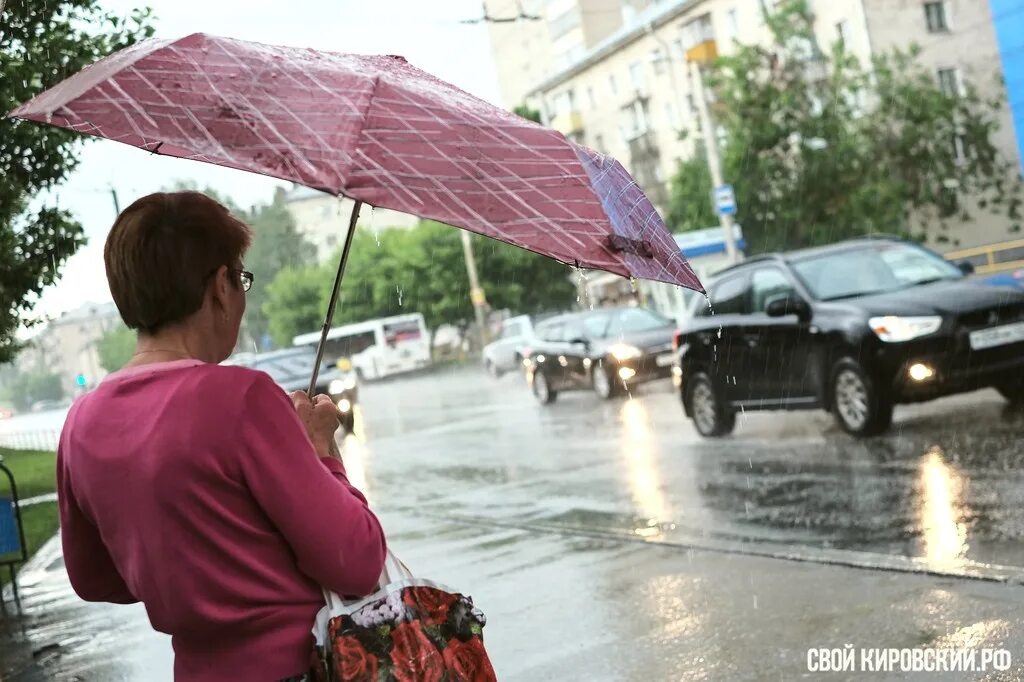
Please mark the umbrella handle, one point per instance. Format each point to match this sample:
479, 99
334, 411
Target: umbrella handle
334, 296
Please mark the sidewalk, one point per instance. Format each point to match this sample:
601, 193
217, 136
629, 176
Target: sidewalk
579, 608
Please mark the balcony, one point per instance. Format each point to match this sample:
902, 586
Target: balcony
568, 123
703, 52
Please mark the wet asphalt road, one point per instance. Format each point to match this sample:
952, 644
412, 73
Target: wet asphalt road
609, 541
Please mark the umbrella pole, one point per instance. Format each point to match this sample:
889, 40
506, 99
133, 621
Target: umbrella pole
334, 295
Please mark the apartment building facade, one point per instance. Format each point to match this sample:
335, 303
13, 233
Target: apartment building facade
323, 219
630, 94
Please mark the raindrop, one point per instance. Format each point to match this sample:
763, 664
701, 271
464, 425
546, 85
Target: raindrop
755, 601
719, 332
399, 290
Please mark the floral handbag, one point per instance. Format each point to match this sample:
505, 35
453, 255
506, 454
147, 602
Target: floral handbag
409, 630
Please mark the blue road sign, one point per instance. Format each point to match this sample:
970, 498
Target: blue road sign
10, 543
724, 200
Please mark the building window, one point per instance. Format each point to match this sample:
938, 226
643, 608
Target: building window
843, 34
670, 115
590, 98
678, 52
635, 120
658, 60
612, 84
637, 76
698, 31
949, 82
599, 144
732, 24
935, 16
564, 103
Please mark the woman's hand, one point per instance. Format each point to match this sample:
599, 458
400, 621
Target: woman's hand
320, 417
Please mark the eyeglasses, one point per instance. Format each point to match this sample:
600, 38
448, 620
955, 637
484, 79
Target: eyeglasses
245, 277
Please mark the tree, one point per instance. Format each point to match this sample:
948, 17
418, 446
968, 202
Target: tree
293, 304
527, 112
418, 270
30, 387
115, 348
822, 148
40, 44
276, 245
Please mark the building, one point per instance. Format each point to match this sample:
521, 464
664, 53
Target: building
631, 94
67, 345
323, 219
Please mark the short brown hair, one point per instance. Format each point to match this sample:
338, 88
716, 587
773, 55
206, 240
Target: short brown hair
161, 252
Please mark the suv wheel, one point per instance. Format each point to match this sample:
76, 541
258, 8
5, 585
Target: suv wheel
542, 390
492, 369
710, 415
859, 408
603, 384
1013, 390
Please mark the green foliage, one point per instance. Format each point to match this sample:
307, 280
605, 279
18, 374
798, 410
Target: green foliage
686, 210
40, 44
820, 148
26, 389
293, 304
419, 270
115, 348
527, 112
276, 245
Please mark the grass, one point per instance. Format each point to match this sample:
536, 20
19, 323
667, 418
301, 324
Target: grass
34, 472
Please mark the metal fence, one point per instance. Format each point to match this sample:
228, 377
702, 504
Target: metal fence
31, 440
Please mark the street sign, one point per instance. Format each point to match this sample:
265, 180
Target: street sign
10, 540
724, 200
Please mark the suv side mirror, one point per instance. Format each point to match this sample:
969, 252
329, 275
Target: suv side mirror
966, 267
580, 342
788, 304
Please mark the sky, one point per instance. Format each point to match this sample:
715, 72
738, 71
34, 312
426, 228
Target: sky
428, 34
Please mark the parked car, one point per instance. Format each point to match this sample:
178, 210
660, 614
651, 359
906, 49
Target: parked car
504, 354
606, 351
292, 368
853, 328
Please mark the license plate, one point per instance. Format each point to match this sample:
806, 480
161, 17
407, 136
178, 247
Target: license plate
997, 336
665, 360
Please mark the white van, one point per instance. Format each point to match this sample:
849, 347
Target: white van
376, 348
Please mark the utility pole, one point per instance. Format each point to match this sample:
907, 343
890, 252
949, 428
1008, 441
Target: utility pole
476, 293
113, 193
707, 122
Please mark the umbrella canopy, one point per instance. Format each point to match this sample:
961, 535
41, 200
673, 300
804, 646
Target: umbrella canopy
375, 129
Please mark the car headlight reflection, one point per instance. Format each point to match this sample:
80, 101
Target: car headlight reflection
345, 405
624, 351
893, 329
341, 385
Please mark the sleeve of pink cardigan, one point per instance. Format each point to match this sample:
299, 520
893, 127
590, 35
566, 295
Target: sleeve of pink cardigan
336, 538
90, 567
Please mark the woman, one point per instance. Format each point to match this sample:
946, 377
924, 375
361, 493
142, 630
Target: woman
201, 490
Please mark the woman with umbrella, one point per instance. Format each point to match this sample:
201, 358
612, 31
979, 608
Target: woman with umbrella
202, 490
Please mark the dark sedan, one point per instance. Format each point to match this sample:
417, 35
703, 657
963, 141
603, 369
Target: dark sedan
292, 368
606, 351
853, 328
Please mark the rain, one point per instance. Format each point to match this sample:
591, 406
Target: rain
555, 270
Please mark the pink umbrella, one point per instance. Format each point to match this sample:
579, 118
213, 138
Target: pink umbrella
375, 129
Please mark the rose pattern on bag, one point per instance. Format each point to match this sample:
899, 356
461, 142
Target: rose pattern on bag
432, 604
467, 661
414, 634
415, 657
353, 661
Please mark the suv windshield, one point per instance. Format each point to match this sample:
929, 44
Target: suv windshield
873, 269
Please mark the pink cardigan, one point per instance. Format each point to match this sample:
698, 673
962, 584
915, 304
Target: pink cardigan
194, 489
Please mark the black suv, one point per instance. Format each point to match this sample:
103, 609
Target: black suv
852, 328
604, 350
